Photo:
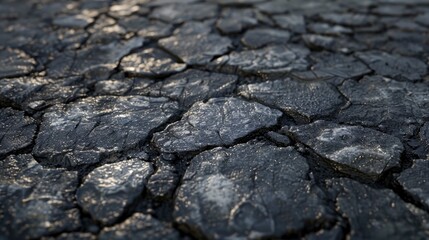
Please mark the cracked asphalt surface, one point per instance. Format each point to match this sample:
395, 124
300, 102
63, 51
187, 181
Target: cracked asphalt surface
215, 119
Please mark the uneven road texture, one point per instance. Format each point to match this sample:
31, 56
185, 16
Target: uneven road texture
215, 119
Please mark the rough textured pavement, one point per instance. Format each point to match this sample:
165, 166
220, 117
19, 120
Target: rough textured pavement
214, 119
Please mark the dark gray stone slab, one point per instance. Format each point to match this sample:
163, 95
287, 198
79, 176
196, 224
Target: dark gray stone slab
151, 62
267, 60
349, 19
259, 37
35, 201
36, 93
339, 65
97, 61
146, 28
163, 183
16, 131
235, 20
387, 216
293, 22
219, 121
194, 28
179, 13
394, 107
72, 236
73, 21
108, 190
249, 191
330, 43
199, 49
194, 85
140, 226
414, 180
15, 63
303, 100
329, 29
351, 149
85, 131
309, 8
394, 66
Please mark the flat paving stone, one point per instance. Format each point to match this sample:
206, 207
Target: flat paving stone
196, 50
387, 218
270, 59
86, 131
348, 19
339, 65
414, 181
182, 12
219, 121
192, 86
293, 22
214, 119
152, 29
36, 201
394, 66
151, 62
351, 149
300, 99
140, 226
15, 63
256, 38
97, 60
329, 29
108, 190
73, 21
386, 104
331, 43
16, 131
235, 20
36, 93
222, 198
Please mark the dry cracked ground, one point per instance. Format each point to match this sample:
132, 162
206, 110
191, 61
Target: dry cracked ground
216, 119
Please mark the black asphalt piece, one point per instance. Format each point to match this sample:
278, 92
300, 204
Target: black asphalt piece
37, 201
150, 62
86, 131
414, 181
214, 119
223, 197
140, 226
397, 108
108, 190
196, 50
280, 59
15, 62
300, 99
388, 217
192, 86
16, 131
218, 122
351, 149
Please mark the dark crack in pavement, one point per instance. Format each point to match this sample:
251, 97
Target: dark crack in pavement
214, 119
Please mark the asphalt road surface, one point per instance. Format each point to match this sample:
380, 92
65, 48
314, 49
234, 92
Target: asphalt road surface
216, 119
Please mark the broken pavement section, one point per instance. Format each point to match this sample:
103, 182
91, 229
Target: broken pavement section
249, 191
353, 150
218, 122
304, 100
16, 131
377, 213
36, 201
85, 131
107, 191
